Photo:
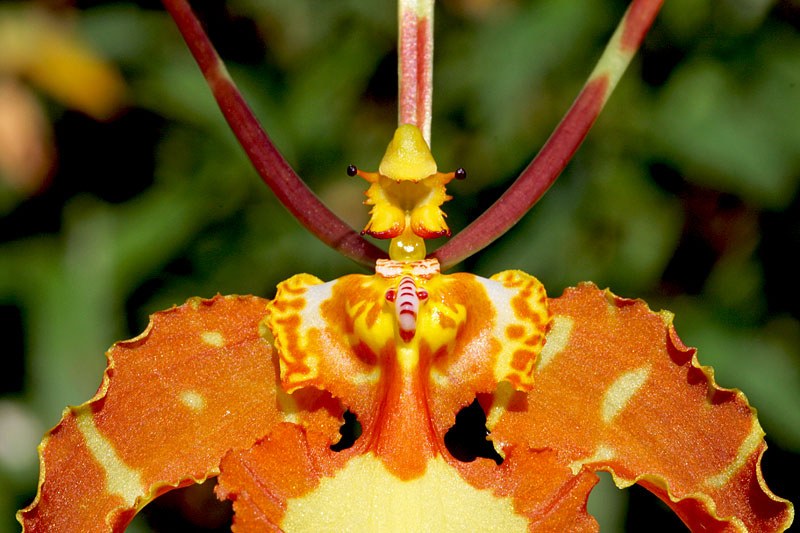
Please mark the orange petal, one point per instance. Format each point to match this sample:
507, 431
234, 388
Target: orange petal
198, 382
262, 480
613, 389
344, 337
291, 482
616, 390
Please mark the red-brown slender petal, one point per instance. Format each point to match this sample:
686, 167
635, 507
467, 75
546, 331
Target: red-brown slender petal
292, 192
562, 144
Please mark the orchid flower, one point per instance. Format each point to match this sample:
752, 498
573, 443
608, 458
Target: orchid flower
255, 391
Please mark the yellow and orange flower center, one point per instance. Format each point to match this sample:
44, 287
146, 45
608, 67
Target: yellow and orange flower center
407, 191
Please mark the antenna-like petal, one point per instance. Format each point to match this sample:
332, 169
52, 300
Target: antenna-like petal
562, 144
292, 192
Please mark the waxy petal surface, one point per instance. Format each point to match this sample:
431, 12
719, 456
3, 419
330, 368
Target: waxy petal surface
615, 389
289, 482
198, 382
344, 337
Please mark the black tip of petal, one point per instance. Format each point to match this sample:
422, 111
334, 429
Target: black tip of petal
461, 174
352, 170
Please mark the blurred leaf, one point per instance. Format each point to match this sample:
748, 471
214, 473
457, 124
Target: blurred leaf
294, 30
685, 18
747, 301
177, 90
607, 504
128, 34
325, 90
719, 124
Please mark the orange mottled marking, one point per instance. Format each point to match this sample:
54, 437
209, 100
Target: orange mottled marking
641, 402
535, 340
526, 325
351, 349
515, 331
522, 359
141, 411
283, 315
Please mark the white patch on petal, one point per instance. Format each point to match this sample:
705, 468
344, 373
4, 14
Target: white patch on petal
193, 400
557, 338
213, 338
621, 391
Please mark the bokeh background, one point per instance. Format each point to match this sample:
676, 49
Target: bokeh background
122, 192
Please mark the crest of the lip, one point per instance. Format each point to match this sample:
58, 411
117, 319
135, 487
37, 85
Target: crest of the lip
407, 189
408, 157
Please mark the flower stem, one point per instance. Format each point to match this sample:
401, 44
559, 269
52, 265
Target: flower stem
415, 64
290, 190
540, 174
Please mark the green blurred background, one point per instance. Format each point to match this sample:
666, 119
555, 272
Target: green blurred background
684, 193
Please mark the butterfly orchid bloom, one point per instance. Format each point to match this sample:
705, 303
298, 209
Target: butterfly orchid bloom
255, 391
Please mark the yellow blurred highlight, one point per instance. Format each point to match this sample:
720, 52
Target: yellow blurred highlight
44, 50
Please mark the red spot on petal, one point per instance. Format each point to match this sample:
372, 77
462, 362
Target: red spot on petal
407, 334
